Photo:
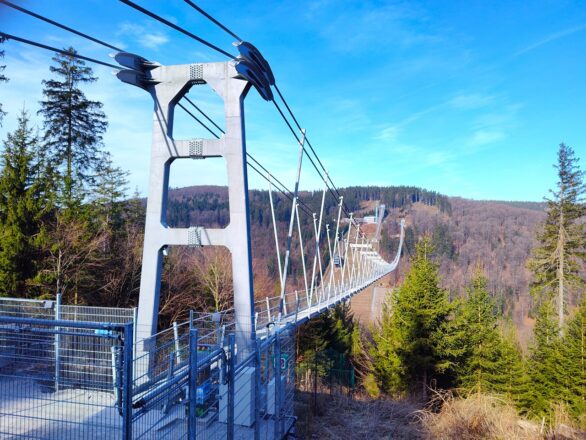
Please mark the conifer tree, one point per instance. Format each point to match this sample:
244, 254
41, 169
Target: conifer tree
514, 381
574, 364
557, 260
409, 356
25, 204
74, 126
2, 79
545, 363
480, 368
109, 191
387, 367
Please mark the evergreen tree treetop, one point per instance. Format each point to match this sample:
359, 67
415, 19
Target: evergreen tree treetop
26, 196
556, 261
74, 125
412, 328
545, 363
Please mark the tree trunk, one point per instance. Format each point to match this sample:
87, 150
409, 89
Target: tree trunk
561, 247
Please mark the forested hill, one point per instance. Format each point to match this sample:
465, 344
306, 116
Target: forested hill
208, 205
495, 235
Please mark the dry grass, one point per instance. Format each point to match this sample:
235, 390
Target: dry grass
357, 418
446, 417
475, 417
481, 416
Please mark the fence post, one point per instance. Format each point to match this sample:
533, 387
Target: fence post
192, 417
177, 345
57, 343
257, 393
231, 386
277, 366
128, 381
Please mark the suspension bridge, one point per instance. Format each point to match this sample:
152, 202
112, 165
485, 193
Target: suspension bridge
90, 372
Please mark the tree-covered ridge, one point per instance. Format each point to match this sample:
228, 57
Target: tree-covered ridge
208, 205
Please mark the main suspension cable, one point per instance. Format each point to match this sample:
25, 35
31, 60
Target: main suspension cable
177, 28
61, 51
59, 25
212, 19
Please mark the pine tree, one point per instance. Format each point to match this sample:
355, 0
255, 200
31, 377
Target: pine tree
25, 205
480, 368
574, 365
514, 381
544, 364
109, 192
387, 367
412, 328
74, 126
2, 79
557, 260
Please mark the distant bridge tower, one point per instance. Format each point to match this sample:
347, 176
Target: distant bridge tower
167, 85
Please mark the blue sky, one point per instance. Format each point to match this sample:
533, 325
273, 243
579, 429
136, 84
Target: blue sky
469, 98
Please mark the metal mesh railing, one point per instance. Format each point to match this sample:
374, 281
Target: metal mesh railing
79, 380
48, 391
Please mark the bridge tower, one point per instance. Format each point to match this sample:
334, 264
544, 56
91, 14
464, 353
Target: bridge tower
167, 85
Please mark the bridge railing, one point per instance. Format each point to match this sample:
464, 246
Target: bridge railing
189, 385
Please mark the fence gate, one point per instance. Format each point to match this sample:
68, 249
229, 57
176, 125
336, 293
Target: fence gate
63, 379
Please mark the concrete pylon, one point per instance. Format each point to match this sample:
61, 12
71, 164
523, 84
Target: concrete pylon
167, 85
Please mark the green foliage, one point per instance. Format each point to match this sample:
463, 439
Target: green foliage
329, 342
574, 365
476, 322
25, 205
514, 381
74, 126
110, 189
556, 261
544, 365
406, 352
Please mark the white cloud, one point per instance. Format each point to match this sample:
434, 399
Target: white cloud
471, 101
388, 134
149, 40
549, 38
485, 137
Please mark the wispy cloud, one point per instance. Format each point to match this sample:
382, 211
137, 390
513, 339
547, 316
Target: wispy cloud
149, 40
471, 101
549, 38
485, 137
365, 26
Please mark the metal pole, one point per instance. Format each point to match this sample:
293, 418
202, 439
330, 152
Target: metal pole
346, 242
57, 343
283, 305
231, 386
331, 258
277, 351
276, 235
301, 249
176, 337
257, 393
192, 419
337, 235
128, 381
317, 256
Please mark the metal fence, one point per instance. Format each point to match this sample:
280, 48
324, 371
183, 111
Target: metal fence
45, 394
183, 383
